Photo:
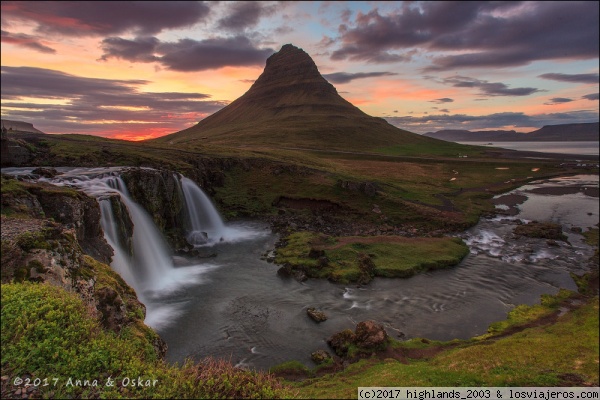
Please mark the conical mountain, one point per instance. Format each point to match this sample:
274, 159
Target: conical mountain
292, 105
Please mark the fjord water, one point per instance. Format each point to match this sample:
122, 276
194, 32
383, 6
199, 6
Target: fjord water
575, 148
236, 307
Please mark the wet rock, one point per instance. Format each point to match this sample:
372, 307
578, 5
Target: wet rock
576, 229
45, 172
370, 334
320, 357
198, 238
315, 315
552, 243
288, 272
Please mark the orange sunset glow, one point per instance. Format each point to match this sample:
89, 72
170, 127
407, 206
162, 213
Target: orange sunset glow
69, 70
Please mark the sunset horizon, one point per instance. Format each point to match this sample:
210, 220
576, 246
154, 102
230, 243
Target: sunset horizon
141, 70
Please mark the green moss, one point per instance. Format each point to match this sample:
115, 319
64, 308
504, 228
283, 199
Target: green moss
591, 236
33, 240
290, 367
352, 257
48, 333
11, 186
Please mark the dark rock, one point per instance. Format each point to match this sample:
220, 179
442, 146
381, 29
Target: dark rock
315, 315
545, 230
314, 253
552, 243
322, 262
320, 357
198, 238
340, 342
370, 334
367, 268
45, 172
368, 188
82, 213
576, 229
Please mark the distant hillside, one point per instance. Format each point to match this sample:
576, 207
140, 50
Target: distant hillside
19, 126
457, 135
549, 133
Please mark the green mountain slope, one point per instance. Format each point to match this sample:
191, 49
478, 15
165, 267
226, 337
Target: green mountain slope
292, 105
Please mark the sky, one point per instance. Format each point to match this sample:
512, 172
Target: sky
137, 70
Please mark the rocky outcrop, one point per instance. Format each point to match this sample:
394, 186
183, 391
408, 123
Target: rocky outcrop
320, 357
48, 243
368, 188
15, 153
340, 342
79, 212
158, 192
124, 223
368, 336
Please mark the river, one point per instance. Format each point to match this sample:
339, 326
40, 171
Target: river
235, 306
574, 148
244, 312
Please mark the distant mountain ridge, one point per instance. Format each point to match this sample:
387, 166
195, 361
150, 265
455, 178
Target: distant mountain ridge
550, 133
19, 126
292, 105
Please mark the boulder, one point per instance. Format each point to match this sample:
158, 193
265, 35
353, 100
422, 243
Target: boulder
315, 315
370, 334
320, 357
45, 172
340, 342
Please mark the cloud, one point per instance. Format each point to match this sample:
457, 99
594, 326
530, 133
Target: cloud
345, 77
187, 54
558, 100
574, 78
442, 100
95, 105
488, 88
23, 40
244, 14
101, 18
490, 34
591, 96
506, 120
136, 50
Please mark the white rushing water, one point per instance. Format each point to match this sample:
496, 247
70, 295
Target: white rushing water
206, 225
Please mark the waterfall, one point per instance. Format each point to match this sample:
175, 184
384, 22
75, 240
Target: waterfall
149, 270
206, 225
152, 261
148, 266
121, 259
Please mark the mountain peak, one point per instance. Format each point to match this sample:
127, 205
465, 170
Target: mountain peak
291, 104
293, 69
